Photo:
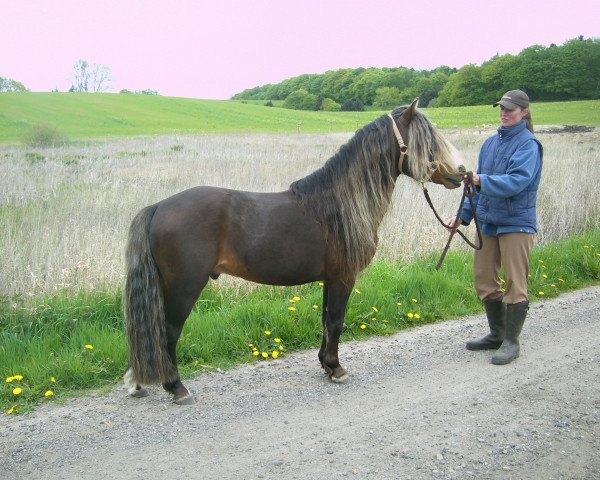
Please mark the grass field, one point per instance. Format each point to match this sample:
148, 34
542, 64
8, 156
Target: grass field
84, 115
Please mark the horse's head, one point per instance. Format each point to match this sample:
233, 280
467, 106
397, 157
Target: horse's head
428, 156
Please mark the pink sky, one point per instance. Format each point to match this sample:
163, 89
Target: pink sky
213, 49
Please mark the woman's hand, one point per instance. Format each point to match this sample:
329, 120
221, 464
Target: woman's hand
452, 221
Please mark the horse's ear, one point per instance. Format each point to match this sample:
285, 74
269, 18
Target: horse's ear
408, 113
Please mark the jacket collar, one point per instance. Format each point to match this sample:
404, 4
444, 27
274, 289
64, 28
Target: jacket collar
508, 132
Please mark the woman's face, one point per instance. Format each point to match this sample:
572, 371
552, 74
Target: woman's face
508, 118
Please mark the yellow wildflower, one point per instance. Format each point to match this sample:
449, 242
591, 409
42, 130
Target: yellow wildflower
414, 300
11, 410
417, 315
315, 307
544, 276
357, 290
49, 393
292, 309
540, 293
9, 379
267, 332
410, 315
53, 379
295, 299
375, 309
265, 355
18, 378
255, 353
362, 326
89, 347
17, 391
281, 347
277, 340
275, 353
321, 284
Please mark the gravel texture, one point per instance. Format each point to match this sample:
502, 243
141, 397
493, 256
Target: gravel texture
417, 405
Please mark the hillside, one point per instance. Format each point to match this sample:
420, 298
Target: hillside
87, 115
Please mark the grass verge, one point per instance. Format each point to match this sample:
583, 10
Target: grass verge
63, 345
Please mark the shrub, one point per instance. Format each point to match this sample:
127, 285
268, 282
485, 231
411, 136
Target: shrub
329, 105
352, 105
43, 135
300, 100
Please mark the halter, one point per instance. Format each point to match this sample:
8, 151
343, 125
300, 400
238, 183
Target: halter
401, 144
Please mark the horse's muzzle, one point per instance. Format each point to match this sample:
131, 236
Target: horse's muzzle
454, 181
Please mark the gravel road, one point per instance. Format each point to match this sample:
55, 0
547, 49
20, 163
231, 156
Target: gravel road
417, 406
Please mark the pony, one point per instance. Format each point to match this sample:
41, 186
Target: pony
323, 228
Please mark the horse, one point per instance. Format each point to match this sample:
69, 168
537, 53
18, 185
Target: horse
323, 228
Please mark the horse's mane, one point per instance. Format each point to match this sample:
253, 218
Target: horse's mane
350, 194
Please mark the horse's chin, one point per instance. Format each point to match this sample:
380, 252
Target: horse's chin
452, 181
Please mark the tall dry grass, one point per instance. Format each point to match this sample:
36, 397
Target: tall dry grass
64, 212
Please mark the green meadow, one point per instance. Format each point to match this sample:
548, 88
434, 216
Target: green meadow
85, 115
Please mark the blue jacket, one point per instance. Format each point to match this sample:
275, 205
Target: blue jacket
509, 168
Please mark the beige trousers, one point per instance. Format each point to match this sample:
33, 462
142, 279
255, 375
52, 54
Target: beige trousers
511, 251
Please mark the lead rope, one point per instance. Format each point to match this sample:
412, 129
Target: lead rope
468, 191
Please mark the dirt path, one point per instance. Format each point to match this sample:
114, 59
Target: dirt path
417, 406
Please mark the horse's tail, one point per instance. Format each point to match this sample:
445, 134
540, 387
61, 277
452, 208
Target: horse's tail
149, 361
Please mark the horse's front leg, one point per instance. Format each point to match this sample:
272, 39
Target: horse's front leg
337, 299
324, 323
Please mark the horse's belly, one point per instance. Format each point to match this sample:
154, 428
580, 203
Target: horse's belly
276, 264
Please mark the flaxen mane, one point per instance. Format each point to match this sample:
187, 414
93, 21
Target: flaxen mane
351, 193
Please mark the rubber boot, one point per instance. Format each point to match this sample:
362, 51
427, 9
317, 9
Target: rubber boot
496, 316
515, 317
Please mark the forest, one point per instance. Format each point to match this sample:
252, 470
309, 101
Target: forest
570, 71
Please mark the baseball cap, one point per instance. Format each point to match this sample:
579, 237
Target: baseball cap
513, 99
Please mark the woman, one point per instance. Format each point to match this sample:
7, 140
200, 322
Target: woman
507, 179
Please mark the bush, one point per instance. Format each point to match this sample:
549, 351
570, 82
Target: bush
43, 135
300, 100
353, 105
329, 105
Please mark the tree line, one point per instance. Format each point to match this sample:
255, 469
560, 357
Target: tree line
566, 72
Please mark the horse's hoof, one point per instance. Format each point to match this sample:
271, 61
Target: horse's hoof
341, 379
185, 400
139, 393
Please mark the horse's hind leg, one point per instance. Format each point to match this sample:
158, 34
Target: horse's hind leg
134, 389
337, 299
178, 305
